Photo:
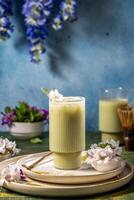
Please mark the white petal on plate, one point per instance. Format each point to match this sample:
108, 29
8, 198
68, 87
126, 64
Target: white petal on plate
2, 182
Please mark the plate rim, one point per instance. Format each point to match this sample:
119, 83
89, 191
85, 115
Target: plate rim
76, 186
49, 175
124, 180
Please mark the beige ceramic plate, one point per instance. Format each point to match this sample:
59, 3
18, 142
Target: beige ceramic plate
45, 171
56, 190
4, 157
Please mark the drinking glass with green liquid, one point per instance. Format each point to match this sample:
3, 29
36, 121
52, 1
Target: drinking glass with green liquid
67, 131
109, 123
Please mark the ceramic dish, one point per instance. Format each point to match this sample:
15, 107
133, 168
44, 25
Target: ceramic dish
56, 190
4, 157
45, 171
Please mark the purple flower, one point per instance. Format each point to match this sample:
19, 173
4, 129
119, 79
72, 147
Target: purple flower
22, 175
34, 108
8, 118
13, 173
45, 113
23, 113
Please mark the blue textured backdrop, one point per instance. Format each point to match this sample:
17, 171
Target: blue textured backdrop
96, 51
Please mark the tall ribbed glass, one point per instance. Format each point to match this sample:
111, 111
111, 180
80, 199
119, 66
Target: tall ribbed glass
67, 131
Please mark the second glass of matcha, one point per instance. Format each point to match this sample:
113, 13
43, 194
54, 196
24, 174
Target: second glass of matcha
109, 123
67, 131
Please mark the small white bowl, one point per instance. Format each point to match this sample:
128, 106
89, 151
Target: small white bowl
26, 130
102, 166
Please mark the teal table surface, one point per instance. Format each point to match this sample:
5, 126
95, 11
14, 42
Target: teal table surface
124, 193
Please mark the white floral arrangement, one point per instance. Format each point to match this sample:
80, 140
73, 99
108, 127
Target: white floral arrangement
105, 156
8, 147
12, 173
53, 95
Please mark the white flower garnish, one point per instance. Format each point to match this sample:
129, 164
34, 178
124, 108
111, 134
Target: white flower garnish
7, 146
2, 146
55, 95
105, 155
114, 145
12, 173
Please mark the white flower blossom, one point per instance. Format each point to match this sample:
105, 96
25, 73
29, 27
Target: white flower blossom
114, 145
7, 146
104, 151
12, 173
2, 146
55, 95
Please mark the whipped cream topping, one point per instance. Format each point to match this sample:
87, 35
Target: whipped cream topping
54, 95
12, 173
7, 146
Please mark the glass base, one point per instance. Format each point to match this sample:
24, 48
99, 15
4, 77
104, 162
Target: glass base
114, 136
67, 160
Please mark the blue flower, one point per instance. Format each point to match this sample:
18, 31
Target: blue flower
36, 19
68, 9
67, 12
57, 22
6, 27
39, 15
6, 7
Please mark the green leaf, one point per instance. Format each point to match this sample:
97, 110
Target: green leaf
104, 145
24, 113
36, 141
31, 117
19, 116
38, 117
23, 107
8, 109
45, 91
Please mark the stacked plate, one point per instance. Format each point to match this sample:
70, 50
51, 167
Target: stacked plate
45, 180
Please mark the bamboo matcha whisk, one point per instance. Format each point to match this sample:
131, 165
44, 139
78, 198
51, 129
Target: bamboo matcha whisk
126, 116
